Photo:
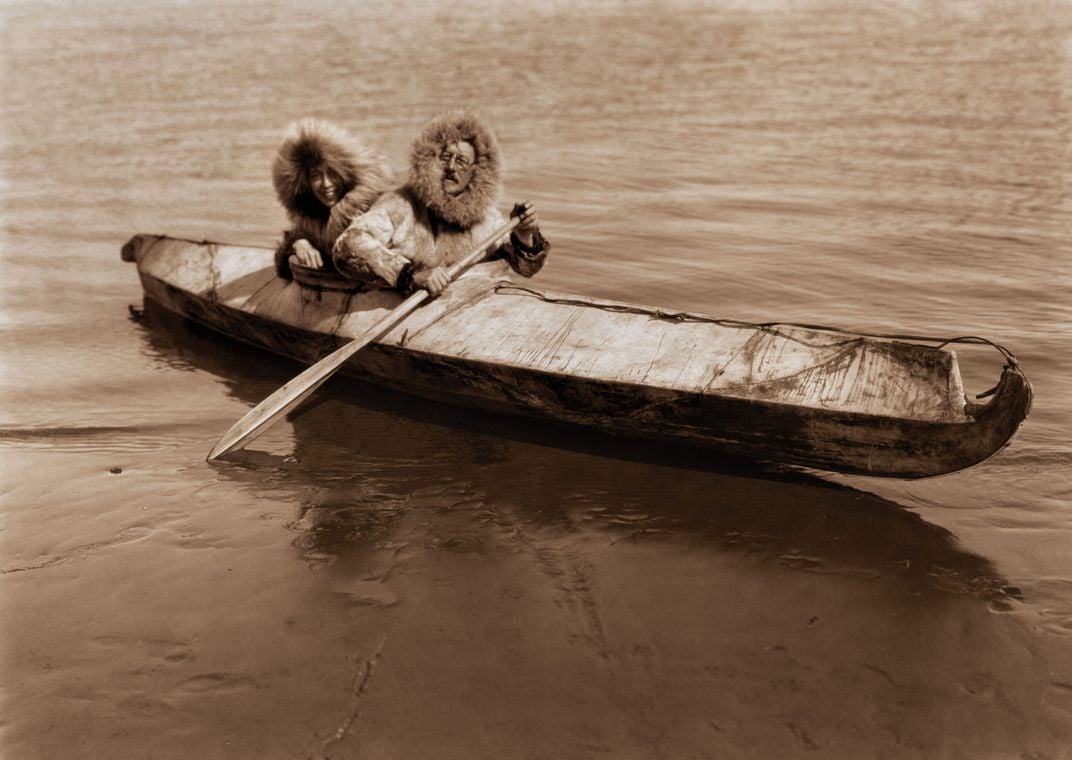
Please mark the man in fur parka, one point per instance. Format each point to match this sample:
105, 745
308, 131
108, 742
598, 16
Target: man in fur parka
411, 236
325, 179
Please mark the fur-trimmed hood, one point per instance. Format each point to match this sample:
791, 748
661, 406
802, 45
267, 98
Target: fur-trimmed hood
312, 143
425, 181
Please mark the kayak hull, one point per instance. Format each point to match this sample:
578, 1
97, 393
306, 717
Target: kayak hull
767, 416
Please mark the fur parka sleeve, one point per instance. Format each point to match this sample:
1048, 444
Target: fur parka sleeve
525, 260
364, 251
282, 254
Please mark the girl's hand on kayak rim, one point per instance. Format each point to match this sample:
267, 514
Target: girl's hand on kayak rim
434, 280
306, 255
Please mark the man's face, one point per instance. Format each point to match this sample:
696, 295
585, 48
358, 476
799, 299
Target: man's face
457, 161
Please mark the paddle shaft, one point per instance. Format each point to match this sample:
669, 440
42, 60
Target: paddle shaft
258, 419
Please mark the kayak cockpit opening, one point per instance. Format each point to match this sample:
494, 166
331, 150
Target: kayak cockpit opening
327, 279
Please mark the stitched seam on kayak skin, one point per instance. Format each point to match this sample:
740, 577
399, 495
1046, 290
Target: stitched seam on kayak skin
409, 335
545, 355
173, 263
344, 312
257, 292
751, 343
654, 358
214, 273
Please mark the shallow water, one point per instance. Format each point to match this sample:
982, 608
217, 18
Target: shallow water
384, 579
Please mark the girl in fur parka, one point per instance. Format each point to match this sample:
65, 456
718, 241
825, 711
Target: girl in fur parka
324, 179
411, 236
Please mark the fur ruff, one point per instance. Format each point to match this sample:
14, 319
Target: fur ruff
312, 143
425, 182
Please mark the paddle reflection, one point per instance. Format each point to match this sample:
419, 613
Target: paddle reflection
376, 467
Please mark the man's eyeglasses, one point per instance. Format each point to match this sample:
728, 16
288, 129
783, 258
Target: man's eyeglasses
454, 159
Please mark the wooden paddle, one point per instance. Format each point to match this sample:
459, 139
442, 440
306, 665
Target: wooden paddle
297, 390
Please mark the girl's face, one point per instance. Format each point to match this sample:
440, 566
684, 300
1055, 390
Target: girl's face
326, 185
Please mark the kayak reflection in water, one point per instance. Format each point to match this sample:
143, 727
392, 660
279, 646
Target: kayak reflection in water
410, 236
325, 179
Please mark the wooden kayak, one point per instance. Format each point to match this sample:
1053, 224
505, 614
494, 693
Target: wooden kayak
798, 395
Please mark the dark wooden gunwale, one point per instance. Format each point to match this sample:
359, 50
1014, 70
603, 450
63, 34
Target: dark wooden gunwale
845, 442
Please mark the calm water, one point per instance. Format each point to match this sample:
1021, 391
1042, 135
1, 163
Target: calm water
377, 579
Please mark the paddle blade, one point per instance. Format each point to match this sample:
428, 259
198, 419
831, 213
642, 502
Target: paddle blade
258, 419
279, 403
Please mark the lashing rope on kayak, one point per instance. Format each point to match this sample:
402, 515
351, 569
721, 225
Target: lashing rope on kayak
681, 316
